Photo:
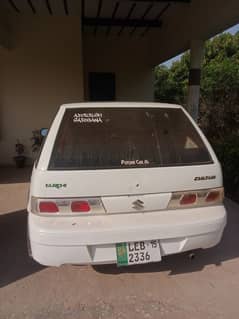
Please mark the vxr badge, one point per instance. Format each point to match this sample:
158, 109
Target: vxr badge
138, 204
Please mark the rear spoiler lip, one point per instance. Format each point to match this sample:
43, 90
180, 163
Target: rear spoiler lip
119, 105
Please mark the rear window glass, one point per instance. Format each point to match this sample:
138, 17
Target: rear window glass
105, 138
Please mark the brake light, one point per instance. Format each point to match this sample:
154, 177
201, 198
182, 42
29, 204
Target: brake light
197, 198
67, 206
212, 196
80, 206
48, 207
188, 199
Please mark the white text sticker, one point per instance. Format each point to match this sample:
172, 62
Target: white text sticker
134, 162
88, 118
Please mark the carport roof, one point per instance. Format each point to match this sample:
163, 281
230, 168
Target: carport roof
126, 14
172, 24
121, 14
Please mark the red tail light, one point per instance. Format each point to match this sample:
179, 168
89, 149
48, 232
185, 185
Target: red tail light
212, 196
48, 207
80, 206
67, 206
188, 199
197, 198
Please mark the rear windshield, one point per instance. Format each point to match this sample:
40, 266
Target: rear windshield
106, 138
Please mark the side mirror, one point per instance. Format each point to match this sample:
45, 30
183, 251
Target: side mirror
43, 132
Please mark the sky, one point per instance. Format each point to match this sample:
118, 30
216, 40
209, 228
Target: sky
231, 30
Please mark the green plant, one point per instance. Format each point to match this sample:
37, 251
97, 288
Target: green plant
37, 140
19, 147
20, 158
228, 154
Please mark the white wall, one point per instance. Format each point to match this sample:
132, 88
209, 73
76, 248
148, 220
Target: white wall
128, 58
42, 71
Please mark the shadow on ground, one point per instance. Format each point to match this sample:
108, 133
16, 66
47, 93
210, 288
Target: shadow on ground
15, 262
181, 263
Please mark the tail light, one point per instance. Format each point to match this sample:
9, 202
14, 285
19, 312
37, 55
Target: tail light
80, 206
213, 196
66, 207
196, 198
48, 207
188, 199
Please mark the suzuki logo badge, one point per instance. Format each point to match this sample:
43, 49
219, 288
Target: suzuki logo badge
138, 204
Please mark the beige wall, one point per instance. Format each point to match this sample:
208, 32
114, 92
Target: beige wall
42, 71
128, 58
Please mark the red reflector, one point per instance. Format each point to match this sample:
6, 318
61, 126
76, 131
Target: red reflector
80, 206
212, 196
188, 199
48, 207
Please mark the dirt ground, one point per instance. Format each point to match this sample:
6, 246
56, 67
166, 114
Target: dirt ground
206, 287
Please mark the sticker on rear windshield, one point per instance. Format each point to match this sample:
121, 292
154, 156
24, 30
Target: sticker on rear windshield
134, 162
88, 118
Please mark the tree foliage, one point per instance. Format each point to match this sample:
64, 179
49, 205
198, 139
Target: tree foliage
219, 101
171, 83
219, 107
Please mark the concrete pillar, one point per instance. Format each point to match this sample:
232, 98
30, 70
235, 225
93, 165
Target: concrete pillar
197, 52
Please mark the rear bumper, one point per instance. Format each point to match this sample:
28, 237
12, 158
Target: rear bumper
91, 239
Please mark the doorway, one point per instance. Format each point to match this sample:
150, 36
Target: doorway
101, 86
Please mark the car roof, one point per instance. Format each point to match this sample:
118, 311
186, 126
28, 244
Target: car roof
119, 104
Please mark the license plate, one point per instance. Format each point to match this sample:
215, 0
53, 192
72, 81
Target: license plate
140, 252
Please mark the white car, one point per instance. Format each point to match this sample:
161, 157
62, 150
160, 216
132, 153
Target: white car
123, 183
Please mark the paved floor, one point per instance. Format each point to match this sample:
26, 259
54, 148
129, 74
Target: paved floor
207, 287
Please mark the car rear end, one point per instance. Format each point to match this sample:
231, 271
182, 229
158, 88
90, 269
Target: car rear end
123, 183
